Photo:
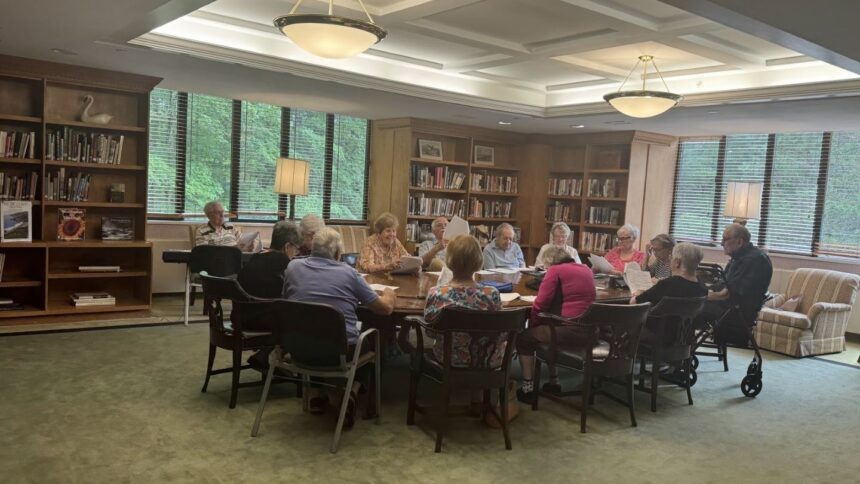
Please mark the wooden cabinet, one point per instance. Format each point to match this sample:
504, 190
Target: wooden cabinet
47, 99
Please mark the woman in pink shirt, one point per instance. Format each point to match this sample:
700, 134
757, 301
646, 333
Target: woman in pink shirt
568, 290
624, 251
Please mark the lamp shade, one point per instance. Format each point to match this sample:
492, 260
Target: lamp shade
642, 104
330, 36
292, 176
743, 200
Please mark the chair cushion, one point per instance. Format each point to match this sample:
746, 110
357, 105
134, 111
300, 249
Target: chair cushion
784, 318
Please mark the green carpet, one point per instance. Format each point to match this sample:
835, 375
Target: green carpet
124, 405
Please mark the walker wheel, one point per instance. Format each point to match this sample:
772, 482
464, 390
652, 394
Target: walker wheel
693, 377
751, 386
694, 362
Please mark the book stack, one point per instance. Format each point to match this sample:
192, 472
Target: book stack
601, 188
98, 268
9, 305
67, 144
489, 209
18, 187
484, 182
15, 144
418, 233
436, 177
81, 299
560, 212
571, 187
603, 215
425, 206
74, 188
597, 242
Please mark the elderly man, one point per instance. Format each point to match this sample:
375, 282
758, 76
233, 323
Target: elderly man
309, 226
320, 278
433, 250
216, 232
748, 275
502, 251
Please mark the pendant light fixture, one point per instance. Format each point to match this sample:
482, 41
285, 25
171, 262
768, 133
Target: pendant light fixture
643, 103
330, 36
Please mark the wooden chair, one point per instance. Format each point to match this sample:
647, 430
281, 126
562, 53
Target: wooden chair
311, 341
231, 335
479, 374
669, 337
607, 339
215, 260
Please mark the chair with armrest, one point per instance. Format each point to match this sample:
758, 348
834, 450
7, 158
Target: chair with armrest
215, 260
607, 337
349, 259
668, 336
818, 323
230, 334
484, 328
310, 340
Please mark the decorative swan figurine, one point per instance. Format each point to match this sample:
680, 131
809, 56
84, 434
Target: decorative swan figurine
94, 118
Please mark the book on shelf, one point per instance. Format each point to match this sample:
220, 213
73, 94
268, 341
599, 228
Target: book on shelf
490, 208
420, 205
597, 241
72, 188
603, 215
604, 188
17, 144
2, 262
21, 187
16, 218
98, 269
486, 182
438, 177
560, 211
117, 228
67, 144
483, 233
7, 304
570, 187
418, 232
92, 299
72, 224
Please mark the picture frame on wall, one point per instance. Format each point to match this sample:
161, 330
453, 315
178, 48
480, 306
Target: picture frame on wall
484, 155
16, 218
430, 149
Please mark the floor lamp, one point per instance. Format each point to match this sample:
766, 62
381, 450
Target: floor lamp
743, 201
292, 176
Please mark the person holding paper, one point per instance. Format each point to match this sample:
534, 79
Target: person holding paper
433, 250
382, 251
216, 231
624, 251
502, 251
559, 233
321, 278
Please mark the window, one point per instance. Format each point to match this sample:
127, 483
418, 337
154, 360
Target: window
206, 148
810, 204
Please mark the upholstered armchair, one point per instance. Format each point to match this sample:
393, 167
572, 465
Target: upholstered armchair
817, 325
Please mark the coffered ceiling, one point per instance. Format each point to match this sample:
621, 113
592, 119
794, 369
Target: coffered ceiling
542, 58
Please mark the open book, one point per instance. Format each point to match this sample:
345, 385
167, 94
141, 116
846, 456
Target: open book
409, 265
637, 279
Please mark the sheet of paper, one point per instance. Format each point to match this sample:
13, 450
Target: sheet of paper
434, 273
509, 296
528, 299
455, 228
409, 265
382, 287
637, 279
504, 270
527, 269
484, 272
248, 242
600, 264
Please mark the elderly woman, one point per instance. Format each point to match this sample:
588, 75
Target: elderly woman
502, 251
216, 232
382, 251
659, 261
567, 290
559, 233
432, 252
309, 226
624, 252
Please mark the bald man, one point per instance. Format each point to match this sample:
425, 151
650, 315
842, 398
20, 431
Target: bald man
434, 249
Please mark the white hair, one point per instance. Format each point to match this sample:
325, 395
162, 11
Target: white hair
690, 256
501, 227
562, 227
210, 206
437, 221
327, 243
311, 224
630, 229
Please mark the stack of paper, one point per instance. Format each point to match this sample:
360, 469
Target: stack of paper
600, 264
409, 265
637, 279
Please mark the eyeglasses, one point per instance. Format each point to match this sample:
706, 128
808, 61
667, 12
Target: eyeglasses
625, 238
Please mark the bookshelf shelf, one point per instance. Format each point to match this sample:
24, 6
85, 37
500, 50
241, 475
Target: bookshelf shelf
494, 194
26, 311
602, 226
482, 219
568, 222
438, 190
20, 119
565, 197
98, 127
494, 168
94, 166
98, 244
61, 203
425, 217
425, 161
22, 283
606, 199
609, 170
96, 275
21, 161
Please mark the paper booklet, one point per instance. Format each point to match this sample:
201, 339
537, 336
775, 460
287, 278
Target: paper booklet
637, 279
455, 228
600, 264
248, 242
382, 287
409, 264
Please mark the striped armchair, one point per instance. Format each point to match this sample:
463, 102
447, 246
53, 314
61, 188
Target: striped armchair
819, 322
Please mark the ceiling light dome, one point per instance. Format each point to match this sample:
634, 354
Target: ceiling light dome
643, 103
328, 35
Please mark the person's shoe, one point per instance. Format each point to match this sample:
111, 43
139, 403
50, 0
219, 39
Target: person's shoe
349, 417
526, 397
317, 405
552, 388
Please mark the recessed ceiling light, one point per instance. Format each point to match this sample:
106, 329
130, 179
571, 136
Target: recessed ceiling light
57, 50
505, 123
577, 126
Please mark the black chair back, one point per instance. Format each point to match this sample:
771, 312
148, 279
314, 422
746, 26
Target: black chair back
485, 329
671, 320
216, 260
712, 276
217, 288
351, 259
619, 325
314, 335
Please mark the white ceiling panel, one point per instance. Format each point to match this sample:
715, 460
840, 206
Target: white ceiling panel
543, 71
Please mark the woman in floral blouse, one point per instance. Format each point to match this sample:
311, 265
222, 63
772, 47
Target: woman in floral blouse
382, 251
464, 257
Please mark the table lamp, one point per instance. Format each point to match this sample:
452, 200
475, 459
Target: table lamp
743, 201
292, 176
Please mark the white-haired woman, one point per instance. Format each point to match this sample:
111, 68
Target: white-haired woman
624, 253
559, 233
382, 250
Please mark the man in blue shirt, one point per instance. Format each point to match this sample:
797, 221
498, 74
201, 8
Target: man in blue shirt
502, 251
321, 278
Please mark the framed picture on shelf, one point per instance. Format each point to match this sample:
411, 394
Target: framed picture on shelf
484, 155
72, 224
117, 228
17, 220
430, 149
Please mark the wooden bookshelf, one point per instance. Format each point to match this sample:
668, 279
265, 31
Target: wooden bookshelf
47, 98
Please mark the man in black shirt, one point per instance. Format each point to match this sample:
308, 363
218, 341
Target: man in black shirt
748, 275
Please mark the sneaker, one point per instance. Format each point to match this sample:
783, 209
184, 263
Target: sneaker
317, 405
551, 388
526, 397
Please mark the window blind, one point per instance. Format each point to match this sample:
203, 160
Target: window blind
259, 149
166, 145
308, 142
745, 157
840, 224
695, 182
349, 169
207, 178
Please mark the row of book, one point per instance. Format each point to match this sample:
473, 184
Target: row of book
561, 211
490, 208
18, 187
17, 144
74, 188
89, 299
426, 206
602, 188
418, 232
571, 187
68, 144
597, 241
485, 182
441, 177
603, 215
484, 233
